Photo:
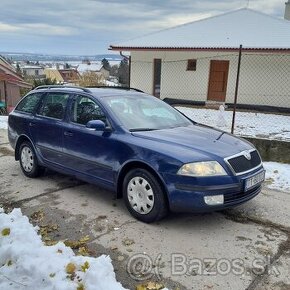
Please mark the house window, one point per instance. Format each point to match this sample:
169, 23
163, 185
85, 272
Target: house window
36, 72
191, 65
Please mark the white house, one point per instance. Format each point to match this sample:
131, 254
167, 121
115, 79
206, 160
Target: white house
33, 71
96, 67
198, 61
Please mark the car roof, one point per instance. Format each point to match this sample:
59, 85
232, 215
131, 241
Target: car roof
108, 92
94, 91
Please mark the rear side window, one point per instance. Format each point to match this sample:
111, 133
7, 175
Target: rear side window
29, 103
53, 105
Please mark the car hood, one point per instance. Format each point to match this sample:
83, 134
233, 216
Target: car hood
198, 138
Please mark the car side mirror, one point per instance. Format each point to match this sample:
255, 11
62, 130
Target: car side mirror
97, 125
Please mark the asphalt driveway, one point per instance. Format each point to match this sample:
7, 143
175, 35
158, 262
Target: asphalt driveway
244, 248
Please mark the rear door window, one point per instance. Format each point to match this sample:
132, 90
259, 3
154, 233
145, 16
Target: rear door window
29, 103
53, 105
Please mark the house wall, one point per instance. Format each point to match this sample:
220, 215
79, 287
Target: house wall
53, 74
2, 93
33, 72
264, 78
105, 73
13, 95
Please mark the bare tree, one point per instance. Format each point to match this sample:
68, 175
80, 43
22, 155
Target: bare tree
91, 79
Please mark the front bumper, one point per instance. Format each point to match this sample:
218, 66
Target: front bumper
186, 194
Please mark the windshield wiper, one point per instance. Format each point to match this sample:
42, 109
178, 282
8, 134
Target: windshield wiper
141, 129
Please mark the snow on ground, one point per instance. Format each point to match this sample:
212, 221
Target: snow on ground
3, 122
277, 176
111, 84
247, 124
25, 262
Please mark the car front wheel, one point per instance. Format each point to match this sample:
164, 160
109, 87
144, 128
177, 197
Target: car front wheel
144, 196
28, 160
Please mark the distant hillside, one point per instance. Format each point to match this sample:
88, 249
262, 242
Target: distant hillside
47, 57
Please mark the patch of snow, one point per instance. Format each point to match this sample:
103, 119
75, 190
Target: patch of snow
93, 66
3, 122
25, 262
247, 124
111, 84
277, 176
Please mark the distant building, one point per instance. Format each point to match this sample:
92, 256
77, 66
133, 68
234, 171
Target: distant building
33, 71
96, 67
62, 76
10, 85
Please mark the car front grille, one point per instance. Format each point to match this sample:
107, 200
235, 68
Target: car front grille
240, 164
241, 196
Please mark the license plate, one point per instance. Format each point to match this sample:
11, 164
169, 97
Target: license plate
254, 180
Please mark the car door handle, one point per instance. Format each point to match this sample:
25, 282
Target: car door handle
31, 124
67, 133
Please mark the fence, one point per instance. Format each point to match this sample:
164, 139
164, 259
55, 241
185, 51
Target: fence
198, 82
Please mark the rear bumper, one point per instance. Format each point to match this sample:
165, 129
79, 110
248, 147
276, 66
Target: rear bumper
186, 197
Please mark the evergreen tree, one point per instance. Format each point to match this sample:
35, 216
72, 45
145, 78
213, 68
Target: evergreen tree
123, 72
42, 82
106, 64
18, 69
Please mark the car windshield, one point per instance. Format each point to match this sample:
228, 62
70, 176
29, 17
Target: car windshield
145, 113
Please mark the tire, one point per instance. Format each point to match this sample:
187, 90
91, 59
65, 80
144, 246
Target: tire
28, 161
143, 196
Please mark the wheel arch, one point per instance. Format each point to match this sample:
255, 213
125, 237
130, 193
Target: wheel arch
134, 165
20, 140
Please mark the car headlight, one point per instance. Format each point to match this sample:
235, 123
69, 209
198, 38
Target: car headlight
205, 168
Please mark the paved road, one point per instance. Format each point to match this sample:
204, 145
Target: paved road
244, 248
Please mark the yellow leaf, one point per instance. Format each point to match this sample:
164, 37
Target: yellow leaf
141, 287
81, 286
50, 242
150, 286
84, 239
83, 251
77, 244
85, 266
5, 232
70, 268
38, 215
9, 263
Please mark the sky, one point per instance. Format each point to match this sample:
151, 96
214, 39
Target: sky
89, 27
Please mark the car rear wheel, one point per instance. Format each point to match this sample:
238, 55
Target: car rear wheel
144, 196
28, 160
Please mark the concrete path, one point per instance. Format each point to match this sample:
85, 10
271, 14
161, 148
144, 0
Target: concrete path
244, 248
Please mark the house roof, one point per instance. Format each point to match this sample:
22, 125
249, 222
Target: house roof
31, 67
252, 29
8, 73
84, 67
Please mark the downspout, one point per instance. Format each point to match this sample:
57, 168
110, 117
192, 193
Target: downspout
124, 56
287, 11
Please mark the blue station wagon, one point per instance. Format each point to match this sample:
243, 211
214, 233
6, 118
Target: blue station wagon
135, 145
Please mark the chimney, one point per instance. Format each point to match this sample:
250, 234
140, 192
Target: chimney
287, 10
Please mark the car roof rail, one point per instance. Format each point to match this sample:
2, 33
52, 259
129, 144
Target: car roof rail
62, 86
118, 88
